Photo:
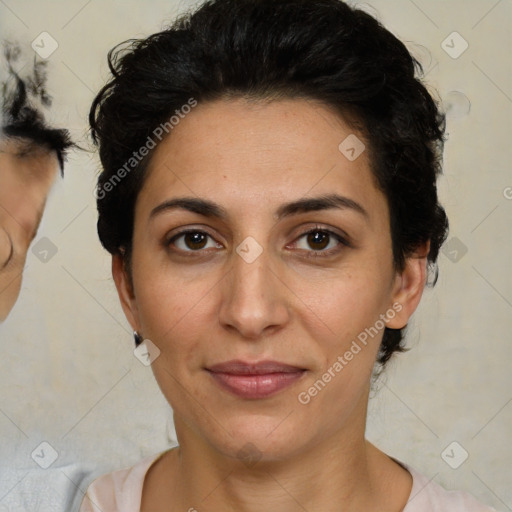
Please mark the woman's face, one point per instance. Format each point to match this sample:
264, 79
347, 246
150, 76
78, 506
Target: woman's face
27, 173
286, 260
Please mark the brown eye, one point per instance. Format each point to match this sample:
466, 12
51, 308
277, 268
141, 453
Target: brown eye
193, 241
318, 240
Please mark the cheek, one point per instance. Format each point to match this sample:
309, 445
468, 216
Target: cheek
346, 344
345, 302
173, 311
172, 314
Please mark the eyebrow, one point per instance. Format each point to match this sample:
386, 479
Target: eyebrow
210, 209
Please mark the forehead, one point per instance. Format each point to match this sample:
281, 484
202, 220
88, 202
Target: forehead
24, 147
27, 158
19, 146
254, 153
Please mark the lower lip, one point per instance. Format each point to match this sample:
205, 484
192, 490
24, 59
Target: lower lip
256, 386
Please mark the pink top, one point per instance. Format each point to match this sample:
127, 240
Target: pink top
121, 491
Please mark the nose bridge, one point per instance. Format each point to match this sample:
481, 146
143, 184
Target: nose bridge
254, 299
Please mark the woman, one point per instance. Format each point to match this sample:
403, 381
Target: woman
31, 152
269, 199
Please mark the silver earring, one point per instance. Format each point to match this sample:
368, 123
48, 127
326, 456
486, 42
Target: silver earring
138, 338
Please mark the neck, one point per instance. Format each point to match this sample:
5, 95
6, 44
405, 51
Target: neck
337, 474
336, 471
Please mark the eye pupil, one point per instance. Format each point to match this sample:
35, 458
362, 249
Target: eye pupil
195, 240
318, 238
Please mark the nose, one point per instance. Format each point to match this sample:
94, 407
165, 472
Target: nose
254, 301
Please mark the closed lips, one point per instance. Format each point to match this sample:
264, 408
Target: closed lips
255, 380
262, 368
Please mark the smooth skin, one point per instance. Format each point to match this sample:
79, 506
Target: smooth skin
27, 173
302, 302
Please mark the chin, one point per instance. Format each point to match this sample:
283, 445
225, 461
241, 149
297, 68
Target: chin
258, 438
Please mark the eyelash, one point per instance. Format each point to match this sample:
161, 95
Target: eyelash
324, 253
310, 254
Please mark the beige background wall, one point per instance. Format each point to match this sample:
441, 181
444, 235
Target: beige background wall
68, 376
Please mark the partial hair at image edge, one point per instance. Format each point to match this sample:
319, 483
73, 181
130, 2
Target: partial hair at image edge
22, 102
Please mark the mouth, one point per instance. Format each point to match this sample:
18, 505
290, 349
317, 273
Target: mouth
255, 380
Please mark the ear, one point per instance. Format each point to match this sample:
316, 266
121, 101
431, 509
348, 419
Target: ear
408, 287
125, 291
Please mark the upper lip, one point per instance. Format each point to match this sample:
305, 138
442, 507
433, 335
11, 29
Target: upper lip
238, 367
